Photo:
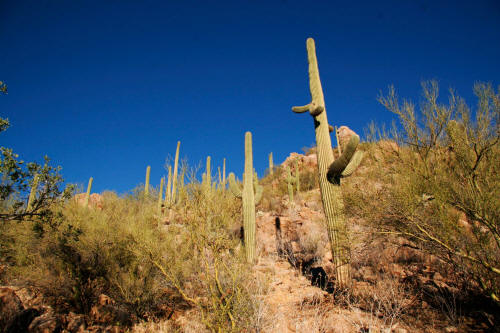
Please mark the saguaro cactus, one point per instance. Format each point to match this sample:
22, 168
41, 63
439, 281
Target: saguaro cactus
207, 176
224, 173
87, 195
34, 188
271, 166
174, 179
168, 192
250, 195
289, 181
146, 186
330, 171
297, 175
160, 195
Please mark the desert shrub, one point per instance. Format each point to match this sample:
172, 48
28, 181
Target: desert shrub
208, 269
126, 252
442, 188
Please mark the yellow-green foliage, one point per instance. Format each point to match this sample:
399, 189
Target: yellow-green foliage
441, 186
120, 251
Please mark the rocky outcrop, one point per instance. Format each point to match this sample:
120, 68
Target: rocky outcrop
95, 200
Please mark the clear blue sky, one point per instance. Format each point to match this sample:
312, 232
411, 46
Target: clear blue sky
107, 87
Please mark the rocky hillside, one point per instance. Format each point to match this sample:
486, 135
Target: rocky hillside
396, 286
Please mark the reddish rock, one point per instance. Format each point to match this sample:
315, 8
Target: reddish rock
345, 134
10, 306
95, 200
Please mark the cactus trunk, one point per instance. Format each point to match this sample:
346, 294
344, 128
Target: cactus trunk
87, 195
160, 195
289, 181
224, 173
168, 193
271, 166
174, 179
146, 186
297, 175
249, 198
331, 194
32, 196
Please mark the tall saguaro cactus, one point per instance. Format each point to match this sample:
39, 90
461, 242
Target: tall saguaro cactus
271, 166
160, 196
330, 171
176, 167
224, 173
34, 188
250, 196
87, 195
146, 186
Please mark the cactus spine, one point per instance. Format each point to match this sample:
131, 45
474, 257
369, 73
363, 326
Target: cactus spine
146, 186
330, 172
271, 166
250, 195
87, 195
160, 195
176, 166
32, 196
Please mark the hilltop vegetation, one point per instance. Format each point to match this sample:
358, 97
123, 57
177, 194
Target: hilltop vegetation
421, 221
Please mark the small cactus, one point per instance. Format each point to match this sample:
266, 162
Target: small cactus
250, 195
87, 195
146, 186
34, 188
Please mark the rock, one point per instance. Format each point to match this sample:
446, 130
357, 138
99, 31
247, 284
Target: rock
95, 200
10, 306
74, 322
345, 134
105, 311
22, 321
46, 323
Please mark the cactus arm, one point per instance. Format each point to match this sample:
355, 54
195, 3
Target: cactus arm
235, 190
301, 109
338, 166
353, 164
258, 193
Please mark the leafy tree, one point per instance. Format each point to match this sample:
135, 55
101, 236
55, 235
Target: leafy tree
17, 177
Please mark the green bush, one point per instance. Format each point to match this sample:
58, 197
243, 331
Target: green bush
442, 187
124, 251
